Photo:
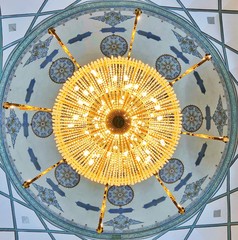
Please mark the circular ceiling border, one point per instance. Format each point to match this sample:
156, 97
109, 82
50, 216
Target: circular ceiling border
160, 12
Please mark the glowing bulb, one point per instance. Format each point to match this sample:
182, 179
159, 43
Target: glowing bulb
137, 158
87, 132
76, 88
91, 88
90, 162
86, 153
94, 73
136, 86
144, 94
126, 78
70, 125
75, 117
154, 100
114, 78
159, 118
162, 142
99, 80
157, 107
85, 92
80, 102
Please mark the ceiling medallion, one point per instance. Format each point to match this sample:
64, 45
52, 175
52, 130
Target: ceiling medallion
116, 121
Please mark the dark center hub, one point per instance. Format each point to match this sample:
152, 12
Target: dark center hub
118, 122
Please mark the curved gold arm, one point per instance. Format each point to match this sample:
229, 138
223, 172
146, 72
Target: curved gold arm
191, 69
181, 209
8, 105
137, 12
66, 50
27, 183
103, 208
225, 139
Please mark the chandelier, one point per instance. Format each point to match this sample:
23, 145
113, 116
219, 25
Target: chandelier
116, 121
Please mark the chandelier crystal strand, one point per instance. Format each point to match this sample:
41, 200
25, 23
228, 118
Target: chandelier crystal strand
116, 121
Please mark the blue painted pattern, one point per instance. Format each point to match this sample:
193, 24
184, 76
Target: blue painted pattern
61, 70
34, 159
183, 182
39, 50
200, 82
55, 187
120, 196
192, 118
49, 58
114, 45
121, 222
13, 126
79, 37
47, 196
149, 35
120, 210
25, 124
168, 66
112, 18
172, 171
208, 117
66, 176
41, 124
220, 117
201, 154
29, 90
112, 30
179, 54
187, 45
192, 190
87, 206
154, 202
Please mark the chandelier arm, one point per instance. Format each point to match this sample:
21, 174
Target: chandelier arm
224, 139
137, 12
8, 105
181, 209
66, 50
206, 58
103, 208
27, 183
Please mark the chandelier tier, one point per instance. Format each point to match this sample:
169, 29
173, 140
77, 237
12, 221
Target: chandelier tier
116, 121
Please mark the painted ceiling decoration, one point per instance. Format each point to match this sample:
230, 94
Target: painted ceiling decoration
35, 73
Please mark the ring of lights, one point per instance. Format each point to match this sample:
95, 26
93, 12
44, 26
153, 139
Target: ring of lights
116, 121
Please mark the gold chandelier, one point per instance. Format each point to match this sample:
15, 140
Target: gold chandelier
116, 121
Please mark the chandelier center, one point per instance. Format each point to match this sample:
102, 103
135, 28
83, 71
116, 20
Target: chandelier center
118, 121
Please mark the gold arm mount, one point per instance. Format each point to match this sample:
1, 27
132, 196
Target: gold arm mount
27, 183
103, 208
181, 209
66, 50
224, 139
137, 12
191, 69
8, 105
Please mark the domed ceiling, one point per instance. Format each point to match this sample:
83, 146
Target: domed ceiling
67, 202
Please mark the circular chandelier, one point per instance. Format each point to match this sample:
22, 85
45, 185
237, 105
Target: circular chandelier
116, 121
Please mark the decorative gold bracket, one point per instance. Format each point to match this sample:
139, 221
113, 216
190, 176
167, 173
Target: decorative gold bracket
27, 183
66, 50
103, 208
191, 69
8, 105
181, 209
225, 139
137, 12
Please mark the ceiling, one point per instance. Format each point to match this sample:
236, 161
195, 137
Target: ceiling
171, 36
